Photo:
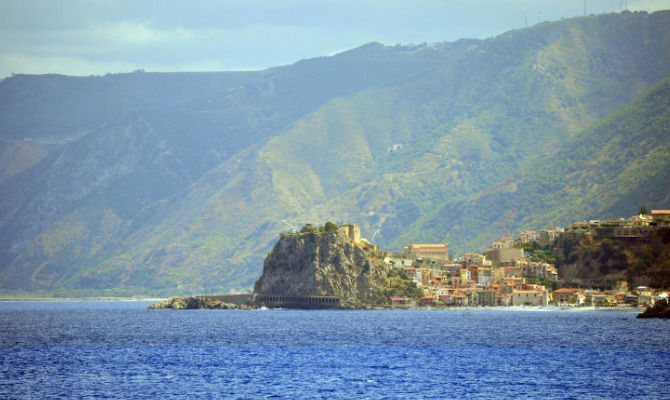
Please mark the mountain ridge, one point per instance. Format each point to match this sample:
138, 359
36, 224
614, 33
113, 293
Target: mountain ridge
399, 139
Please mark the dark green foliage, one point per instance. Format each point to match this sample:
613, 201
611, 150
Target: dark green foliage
399, 285
601, 262
535, 252
330, 227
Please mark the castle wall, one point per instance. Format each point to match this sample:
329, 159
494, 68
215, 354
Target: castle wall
352, 231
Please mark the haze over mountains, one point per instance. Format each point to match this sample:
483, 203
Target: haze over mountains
142, 182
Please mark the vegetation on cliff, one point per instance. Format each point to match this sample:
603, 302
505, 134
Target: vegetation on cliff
400, 285
324, 261
601, 260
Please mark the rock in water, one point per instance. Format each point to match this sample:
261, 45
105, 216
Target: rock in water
660, 310
324, 262
197, 302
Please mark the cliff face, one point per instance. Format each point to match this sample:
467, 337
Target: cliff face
324, 264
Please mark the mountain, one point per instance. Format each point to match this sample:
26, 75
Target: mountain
608, 170
113, 156
144, 182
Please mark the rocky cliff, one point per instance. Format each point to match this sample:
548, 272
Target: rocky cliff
318, 262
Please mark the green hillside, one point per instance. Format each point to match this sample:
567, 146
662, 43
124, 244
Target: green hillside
606, 171
457, 142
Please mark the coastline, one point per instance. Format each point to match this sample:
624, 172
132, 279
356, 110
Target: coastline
71, 299
371, 307
248, 303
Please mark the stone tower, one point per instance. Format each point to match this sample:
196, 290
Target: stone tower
352, 231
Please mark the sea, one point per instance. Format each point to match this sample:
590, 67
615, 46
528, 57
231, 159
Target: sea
121, 350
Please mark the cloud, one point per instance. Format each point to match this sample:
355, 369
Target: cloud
126, 45
647, 5
83, 36
129, 33
30, 64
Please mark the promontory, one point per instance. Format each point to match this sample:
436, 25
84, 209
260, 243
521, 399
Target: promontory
327, 266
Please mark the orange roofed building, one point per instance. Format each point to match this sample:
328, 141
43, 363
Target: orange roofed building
435, 251
661, 216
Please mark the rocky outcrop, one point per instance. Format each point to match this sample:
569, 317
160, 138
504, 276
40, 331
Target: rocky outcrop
324, 262
204, 302
660, 310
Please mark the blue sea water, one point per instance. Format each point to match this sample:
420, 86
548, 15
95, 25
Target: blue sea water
121, 350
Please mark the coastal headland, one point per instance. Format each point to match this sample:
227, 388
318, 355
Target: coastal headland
332, 267
318, 267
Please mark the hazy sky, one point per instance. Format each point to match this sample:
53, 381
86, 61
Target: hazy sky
83, 37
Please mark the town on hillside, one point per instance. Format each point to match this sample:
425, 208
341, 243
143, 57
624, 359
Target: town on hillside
504, 276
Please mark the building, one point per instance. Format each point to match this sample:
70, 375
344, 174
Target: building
540, 270
427, 301
529, 298
487, 297
661, 217
504, 243
485, 276
459, 300
475, 258
569, 296
501, 256
398, 301
398, 261
412, 274
434, 251
545, 238
528, 236
352, 231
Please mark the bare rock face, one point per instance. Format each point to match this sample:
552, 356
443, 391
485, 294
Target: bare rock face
312, 263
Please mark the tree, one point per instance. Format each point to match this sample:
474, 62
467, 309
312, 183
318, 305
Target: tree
643, 210
330, 227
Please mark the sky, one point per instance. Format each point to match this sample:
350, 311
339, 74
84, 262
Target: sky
95, 37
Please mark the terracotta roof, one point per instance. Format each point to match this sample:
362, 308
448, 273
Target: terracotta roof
567, 290
428, 246
660, 212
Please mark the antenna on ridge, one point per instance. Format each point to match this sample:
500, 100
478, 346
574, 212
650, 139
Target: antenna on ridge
585, 8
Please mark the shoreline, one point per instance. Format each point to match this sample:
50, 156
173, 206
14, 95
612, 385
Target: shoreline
71, 299
550, 308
